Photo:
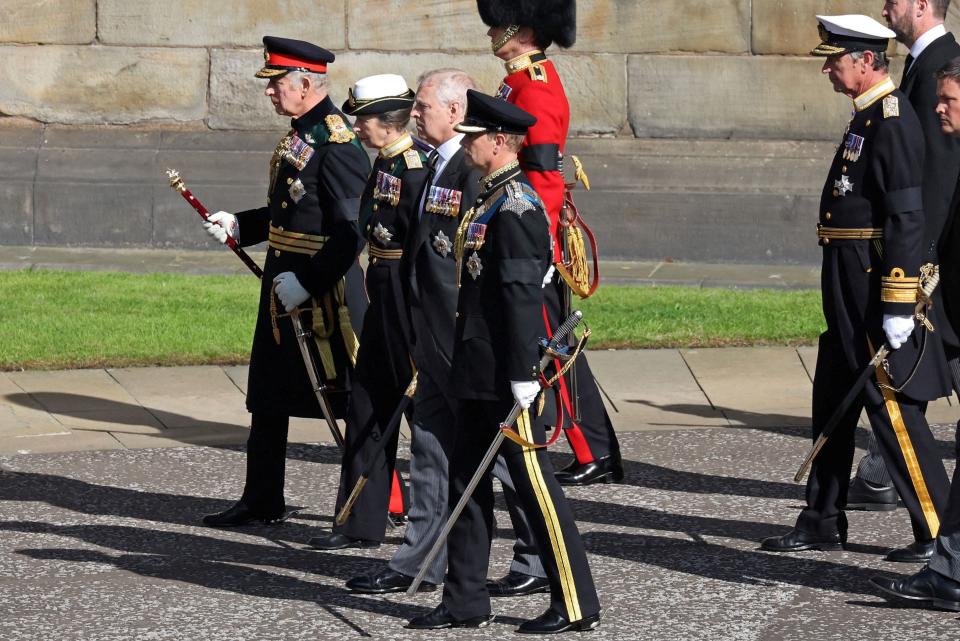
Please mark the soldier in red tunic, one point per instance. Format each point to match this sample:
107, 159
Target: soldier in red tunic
520, 33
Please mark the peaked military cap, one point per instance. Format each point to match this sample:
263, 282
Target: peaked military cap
551, 20
283, 55
378, 94
854, 32
486, 113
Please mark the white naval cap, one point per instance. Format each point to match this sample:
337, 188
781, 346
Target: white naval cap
377, 94
852, 32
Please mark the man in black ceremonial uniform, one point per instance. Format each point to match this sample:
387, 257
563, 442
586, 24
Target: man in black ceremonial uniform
317, 174
919, 26
872, 232
504, 250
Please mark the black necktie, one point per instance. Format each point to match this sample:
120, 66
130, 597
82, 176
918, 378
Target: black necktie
906, 67
432, 161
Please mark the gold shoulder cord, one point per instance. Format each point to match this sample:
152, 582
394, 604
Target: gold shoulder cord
460, 241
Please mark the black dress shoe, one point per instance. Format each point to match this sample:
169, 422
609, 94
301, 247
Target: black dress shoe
441, 618
926, 585
916, 552
239, 514
337, 541
608, 469
571, 466
552, 622
518, 584
797, 540
384, 581
864, 495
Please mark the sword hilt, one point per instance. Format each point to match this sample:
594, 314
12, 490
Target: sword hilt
564, 330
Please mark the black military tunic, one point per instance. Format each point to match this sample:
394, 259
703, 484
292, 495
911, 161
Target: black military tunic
871, 228
384, 367
317, 175
504, 249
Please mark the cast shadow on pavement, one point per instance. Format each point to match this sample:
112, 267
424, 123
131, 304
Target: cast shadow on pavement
815, 570
223, 435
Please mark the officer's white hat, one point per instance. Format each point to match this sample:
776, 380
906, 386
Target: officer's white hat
377, 94
854, 32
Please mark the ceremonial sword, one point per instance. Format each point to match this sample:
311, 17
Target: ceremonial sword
550, 352
875, 362
316, 381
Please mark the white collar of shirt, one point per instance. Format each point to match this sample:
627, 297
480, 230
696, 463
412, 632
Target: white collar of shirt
924, 41
449, 149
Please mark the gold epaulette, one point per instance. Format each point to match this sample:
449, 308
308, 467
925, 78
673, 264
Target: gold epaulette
897, 288
412, 158
891, 107
339, 132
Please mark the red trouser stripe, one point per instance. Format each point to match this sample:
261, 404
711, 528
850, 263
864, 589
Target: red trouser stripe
578, 442
396, 495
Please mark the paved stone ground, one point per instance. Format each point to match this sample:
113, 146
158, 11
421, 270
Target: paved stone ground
105, 545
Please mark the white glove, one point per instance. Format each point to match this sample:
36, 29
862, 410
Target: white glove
547, 277
524, 392
897, 329
220, 225
289, 290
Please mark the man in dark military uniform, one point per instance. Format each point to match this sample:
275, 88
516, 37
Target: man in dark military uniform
520, 33
428, 270
381, 105
919, 26
938, 584
504, 248
872, 232
317, 174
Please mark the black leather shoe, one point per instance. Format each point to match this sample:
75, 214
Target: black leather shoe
386, 580
441, 618
608, 469
552, 622
571, 466
797, 540
916, 552
926, 585
239, 514
518, 584
864, 495
337, 541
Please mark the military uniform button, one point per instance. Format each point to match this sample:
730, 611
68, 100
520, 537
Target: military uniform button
280, 228
376, 206
289, 181
276, 252
826, 241
284, 204
457, 315
836, 193
828, 215
869, 122
844, 170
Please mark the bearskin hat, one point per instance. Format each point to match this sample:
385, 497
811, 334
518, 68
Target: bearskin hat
551, 20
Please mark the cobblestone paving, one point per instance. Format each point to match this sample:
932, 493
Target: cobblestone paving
105, 545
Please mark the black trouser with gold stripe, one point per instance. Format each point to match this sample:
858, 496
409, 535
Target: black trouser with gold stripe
906, 444
572, 592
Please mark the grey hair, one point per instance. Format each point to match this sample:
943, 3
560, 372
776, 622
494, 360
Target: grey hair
317, 80
940, 8
451, 84
950, 70
880, 60
398, 118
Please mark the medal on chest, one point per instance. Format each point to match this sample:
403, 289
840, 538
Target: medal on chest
387, 188
297, 191
298, 153
503, 93
445, 202
441, 243
474, 265
382, 234
853, 147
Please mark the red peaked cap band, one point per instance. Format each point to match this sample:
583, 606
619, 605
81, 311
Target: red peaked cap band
280, 60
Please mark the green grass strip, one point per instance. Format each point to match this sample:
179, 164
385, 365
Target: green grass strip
54, 319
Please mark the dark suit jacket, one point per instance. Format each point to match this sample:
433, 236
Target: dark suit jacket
942, 158
429, 271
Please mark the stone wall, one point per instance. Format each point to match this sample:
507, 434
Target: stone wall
663, 78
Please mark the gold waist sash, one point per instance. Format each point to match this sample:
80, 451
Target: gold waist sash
295, 242
849, 233
384, 254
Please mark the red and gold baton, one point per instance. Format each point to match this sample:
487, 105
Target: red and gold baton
177, 183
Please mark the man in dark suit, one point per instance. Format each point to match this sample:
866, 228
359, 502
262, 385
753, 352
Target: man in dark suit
939, 583
428, 274
310, 222
919, 26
